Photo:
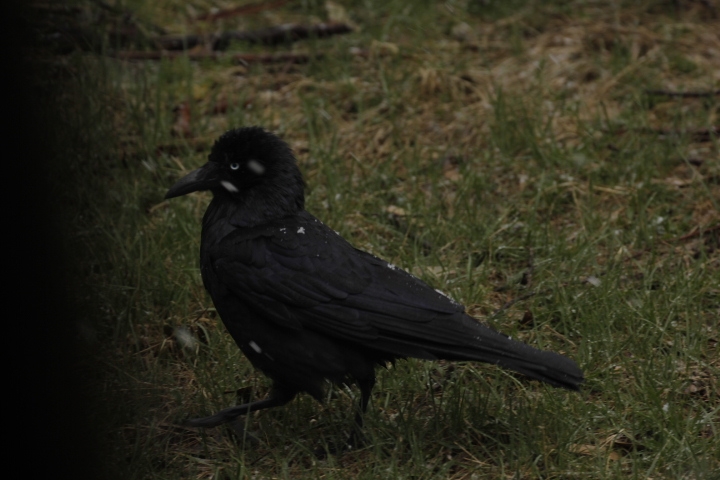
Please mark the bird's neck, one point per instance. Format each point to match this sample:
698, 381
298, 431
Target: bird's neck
215, 225
226, 213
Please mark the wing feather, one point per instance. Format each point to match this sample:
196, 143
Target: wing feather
316, 280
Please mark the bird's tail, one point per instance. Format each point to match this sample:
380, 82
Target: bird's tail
476, 342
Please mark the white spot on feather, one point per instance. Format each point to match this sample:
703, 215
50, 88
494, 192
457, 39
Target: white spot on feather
301, 230
391, 266
446, 296
255, 346
256, 167
229, 186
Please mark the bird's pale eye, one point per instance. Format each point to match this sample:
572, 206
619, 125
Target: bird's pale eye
234, 166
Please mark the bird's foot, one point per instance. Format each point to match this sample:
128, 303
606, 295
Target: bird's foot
355, 441
206, 422
239, 430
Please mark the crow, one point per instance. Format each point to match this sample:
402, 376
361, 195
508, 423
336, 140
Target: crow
305, 306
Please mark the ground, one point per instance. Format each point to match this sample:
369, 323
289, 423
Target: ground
553, 166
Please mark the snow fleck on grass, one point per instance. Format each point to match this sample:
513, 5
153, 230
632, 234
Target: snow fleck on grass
185, 338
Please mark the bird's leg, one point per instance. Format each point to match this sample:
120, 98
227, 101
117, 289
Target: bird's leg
356, 437
279, 395
366, 385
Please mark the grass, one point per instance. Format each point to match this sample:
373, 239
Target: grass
500, 153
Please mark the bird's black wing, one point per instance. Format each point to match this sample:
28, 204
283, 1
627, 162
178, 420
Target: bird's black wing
300, 274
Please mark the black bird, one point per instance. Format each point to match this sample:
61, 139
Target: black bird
304, 305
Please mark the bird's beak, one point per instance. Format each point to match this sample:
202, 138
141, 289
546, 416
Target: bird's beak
204, 178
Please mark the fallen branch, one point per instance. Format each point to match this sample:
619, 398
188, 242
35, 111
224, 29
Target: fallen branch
287, 33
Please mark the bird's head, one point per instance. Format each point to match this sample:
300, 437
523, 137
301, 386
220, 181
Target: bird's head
252, 167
